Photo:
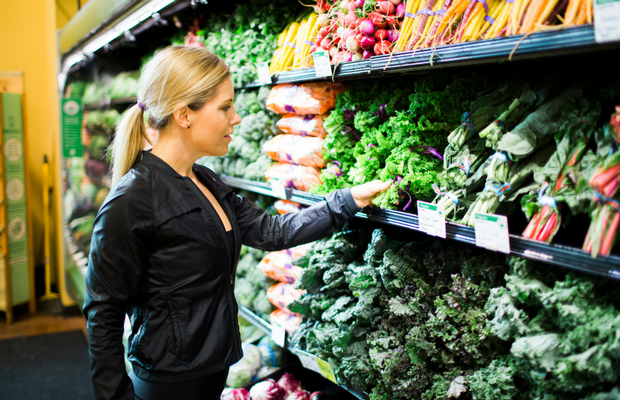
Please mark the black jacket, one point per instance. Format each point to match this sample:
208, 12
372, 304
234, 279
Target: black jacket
159, 253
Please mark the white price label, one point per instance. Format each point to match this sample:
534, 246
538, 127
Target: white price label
278, 335
492, 232
264, 76
322, 67
278, 189
606, 20
431, 219
313, 363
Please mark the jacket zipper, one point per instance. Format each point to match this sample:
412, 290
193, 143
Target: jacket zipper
232, 253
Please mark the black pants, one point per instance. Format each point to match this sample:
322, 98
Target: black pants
208, 388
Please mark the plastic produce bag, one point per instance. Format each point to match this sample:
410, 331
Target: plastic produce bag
287, 206
273, 355
295, 149
241, 373
294, 176
304, 125
283, 294
304, 99
278, 265
286, 319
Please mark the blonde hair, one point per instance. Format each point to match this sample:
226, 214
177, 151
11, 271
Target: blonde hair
175, 77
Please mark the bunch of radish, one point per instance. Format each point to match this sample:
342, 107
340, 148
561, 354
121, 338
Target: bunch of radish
352, 30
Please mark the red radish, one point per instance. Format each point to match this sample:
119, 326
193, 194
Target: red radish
326, 44
366, 27
346, 57
400, 10
352, 44
381, 34
386, 7
336, 39
350, 19
357, 56
337, 58
346, 33
396, 2
340, 14
359, 36
333, 51
382, 47
392, 22
321, 7
313, 48
392, 35
378, 20
367, 54
359, 3
328, 6
359, 21
352, 6
324, 31
368, 42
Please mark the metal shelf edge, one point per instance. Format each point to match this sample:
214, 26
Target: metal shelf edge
559, 255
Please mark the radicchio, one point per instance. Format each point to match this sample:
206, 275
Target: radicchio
289, 383
237, 394
267, 390
299, 395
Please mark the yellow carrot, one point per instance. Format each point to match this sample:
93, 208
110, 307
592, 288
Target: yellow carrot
299, 41
477, 16
429, 23
494, 12
590, 10
416, 5
287, 47
545, 14
312, 29
457, 8
582, 16
500, 22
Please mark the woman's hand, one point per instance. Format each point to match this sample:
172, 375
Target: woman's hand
363, 194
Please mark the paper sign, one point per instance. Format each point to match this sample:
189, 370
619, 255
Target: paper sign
322, 67
264, 76
431, 219
492, 232
72, 128
606, 20
278, 334
326, 370
278, 189
313, 363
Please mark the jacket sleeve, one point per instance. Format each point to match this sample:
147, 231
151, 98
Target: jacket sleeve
112, 279
267, 232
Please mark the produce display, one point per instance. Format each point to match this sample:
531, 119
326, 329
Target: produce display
435, 320
353, 30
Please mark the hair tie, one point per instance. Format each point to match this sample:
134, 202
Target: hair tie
141, 105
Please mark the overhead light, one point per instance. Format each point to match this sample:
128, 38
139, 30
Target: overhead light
125, 24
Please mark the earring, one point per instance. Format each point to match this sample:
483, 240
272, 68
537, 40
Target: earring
188, 126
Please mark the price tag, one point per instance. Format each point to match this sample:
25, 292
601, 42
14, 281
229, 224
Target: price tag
313, 363
264, 76
322, 67
492, 232
606, 20
431, 219
278, 334
278, 189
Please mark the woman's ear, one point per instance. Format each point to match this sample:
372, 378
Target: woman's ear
181, 117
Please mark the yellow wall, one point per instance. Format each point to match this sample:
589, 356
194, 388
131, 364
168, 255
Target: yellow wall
28, 43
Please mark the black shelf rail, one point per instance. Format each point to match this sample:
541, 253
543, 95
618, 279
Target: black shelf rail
266, 327
517, 47
560, 255
110, 103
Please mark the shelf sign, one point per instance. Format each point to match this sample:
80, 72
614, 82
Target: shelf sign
322, 67
606, 20
71, 128
278, 334
492, 232
431, 219
313, 363
278, 189
264, 76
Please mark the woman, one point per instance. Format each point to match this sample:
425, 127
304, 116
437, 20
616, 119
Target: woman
167, 239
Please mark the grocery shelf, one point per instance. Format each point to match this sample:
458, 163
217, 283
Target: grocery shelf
110, 103
563, 256
541, 44
266, 327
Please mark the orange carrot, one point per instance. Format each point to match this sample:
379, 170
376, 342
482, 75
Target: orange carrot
533, 12
571, 12
582, 15
458, 7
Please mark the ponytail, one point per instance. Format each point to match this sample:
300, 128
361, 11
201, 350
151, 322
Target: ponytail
128, 142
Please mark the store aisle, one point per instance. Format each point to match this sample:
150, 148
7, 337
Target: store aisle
38, 324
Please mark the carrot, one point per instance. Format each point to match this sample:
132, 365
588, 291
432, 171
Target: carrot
472, 24
490, 19
545, 13
413, 6
531, 15
571, 12
433, 32
559, 9
512, 26
420, 24
467, 14
611, 235
457, 8
501, 33
582, 15
590, 9
429, 24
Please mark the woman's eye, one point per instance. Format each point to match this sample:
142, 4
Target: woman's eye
226, 108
